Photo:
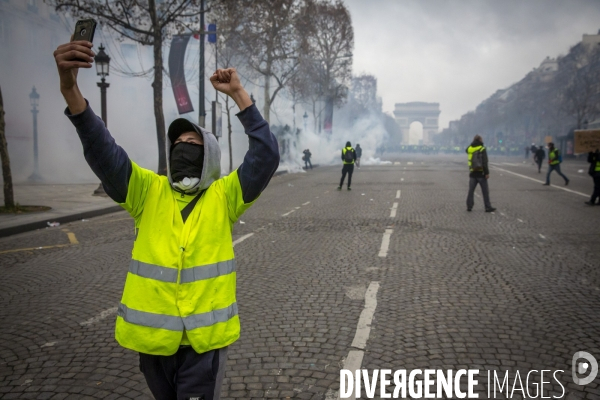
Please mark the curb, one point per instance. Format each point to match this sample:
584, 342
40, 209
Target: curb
13, 230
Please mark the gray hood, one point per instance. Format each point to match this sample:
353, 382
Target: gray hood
211, 169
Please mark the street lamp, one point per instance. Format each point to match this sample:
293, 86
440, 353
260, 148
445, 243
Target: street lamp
305, 116
102, 61
34, 99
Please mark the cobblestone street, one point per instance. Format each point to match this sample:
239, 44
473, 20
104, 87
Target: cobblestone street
514, 290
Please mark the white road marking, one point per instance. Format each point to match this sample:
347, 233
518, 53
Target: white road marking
542, 236
393, 211
501, 213
99, 317
385, 243
477, 194
49, 344
409, 163
519, 219
398, 194
363, 328
287, 213
537, 180
297, 208
353, 362
308, 202
240, 240
397, 163
401, 179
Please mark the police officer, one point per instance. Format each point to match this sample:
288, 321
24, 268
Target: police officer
178, 308
348, 158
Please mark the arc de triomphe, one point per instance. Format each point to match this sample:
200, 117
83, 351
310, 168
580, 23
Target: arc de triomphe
426, 113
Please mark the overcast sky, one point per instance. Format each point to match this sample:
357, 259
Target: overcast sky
459, 52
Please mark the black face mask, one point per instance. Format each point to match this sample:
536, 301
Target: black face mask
186, 161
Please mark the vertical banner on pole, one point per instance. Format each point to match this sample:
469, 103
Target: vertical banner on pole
217, 119
176, 70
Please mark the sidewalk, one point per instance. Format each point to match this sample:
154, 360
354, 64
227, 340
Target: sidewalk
68, 202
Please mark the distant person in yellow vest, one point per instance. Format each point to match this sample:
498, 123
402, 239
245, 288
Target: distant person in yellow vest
594, 171
348, 159
554, 160
479, 173
178, 309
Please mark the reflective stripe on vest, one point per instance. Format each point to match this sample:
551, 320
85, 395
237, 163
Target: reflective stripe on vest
188, 275
176, 323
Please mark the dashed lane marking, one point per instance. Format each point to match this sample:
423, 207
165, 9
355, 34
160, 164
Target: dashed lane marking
308, 202
287, 213
537, 180
363, 328
409, 163
401, 179
100, 317
398, 194
393, 211
519, 219
240, 240
542, 236
72, 238
385, 243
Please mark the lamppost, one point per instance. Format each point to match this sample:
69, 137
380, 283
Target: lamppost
34, 99
305, 116
102, 61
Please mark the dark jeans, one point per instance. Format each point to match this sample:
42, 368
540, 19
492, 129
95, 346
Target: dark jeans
347, 169
596, 193
307, 163
555, 167
473, 181
185, 374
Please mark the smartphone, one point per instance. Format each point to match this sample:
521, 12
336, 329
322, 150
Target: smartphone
84, 30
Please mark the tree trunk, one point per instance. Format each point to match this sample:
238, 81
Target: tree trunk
9, 200
229, 133
157, 88
267, 108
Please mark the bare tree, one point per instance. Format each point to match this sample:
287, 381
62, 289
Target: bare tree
9, 199
579, 82
327, 43
269, 42
228, 17
149, 23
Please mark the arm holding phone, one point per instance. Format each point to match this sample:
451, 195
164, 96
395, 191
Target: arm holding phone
108, 160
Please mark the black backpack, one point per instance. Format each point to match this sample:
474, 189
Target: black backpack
349, 156
477, 160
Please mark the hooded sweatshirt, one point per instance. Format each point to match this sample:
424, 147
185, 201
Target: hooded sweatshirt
486, 171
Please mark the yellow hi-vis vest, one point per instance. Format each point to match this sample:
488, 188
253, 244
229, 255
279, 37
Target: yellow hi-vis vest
470, 151
344, 150
181, 276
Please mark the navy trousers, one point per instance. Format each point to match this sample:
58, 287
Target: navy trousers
185, 375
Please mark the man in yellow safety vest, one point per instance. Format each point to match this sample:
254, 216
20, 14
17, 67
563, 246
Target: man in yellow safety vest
178, 308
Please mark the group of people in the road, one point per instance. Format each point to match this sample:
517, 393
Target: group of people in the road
479, 170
